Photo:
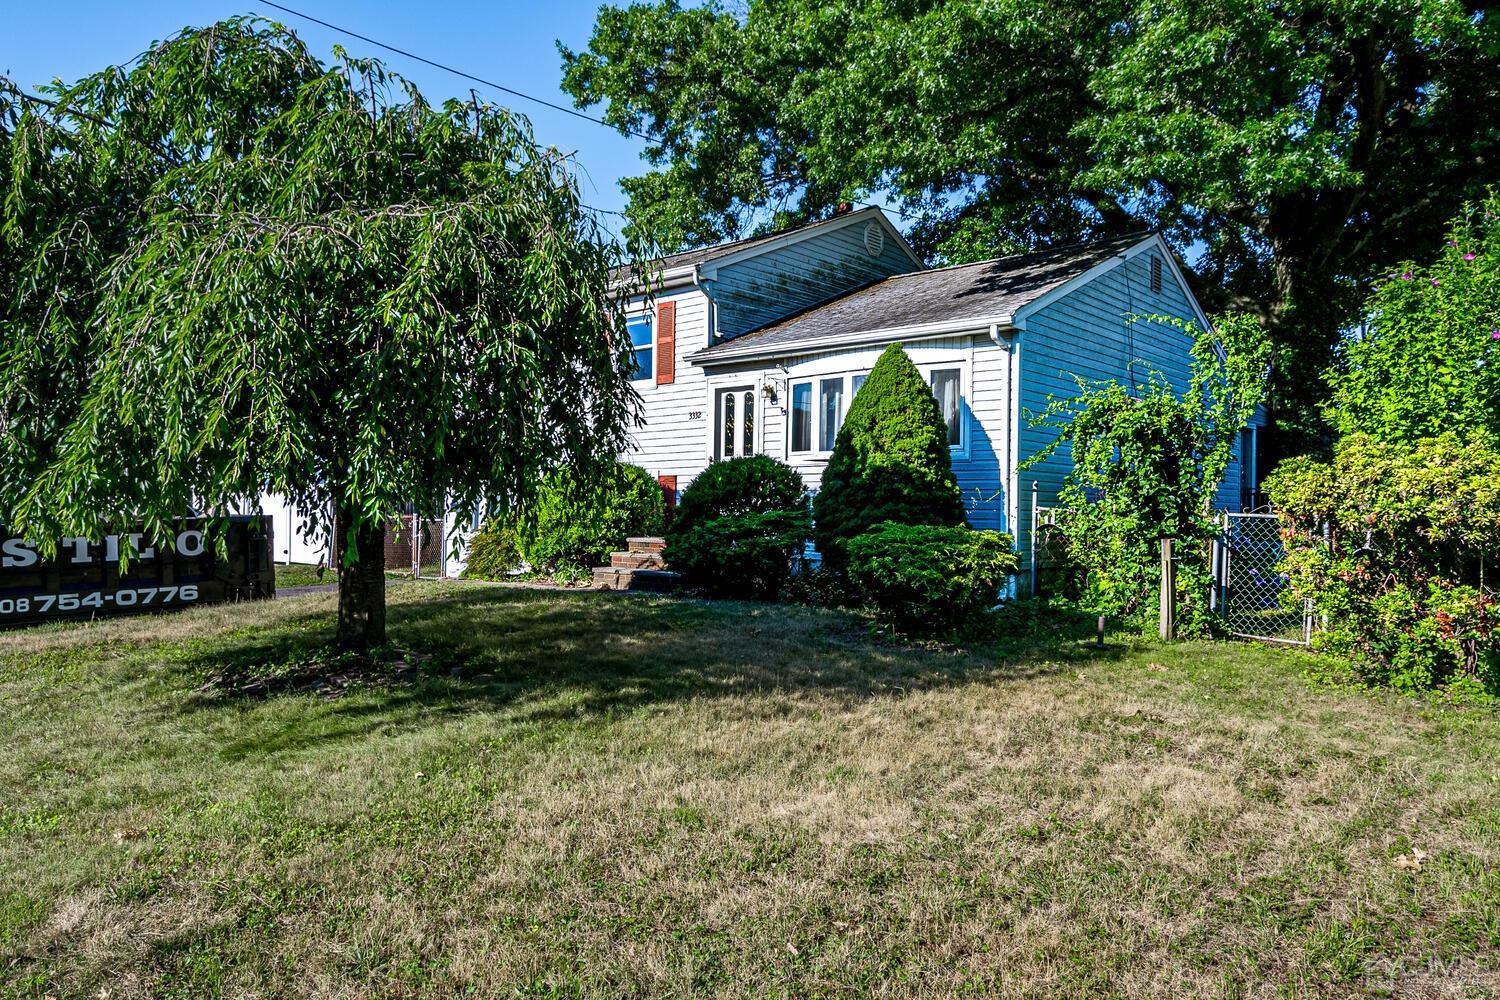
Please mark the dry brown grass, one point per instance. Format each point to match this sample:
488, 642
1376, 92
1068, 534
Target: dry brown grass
621, 797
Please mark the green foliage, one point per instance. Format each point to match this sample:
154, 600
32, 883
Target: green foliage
929, 578
890, 461
576, 523
1398, 581
231, 269
748, 485
494, 550
1146, 465
1301, 145
740, 555
738, 527
1430, 361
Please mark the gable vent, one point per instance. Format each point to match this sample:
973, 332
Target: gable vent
1156, 274
874, 239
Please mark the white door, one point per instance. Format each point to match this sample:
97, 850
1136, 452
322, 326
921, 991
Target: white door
735, 433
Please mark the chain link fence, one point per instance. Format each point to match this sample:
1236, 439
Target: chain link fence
1252, 593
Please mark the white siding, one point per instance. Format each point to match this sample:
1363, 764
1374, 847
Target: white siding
986, 432
674, 442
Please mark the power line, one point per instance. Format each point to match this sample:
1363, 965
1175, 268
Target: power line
22, 95
509, 90
456, 71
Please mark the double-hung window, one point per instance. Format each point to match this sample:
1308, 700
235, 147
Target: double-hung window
830, 411
945, 386
641, 347
816, 421
802, 416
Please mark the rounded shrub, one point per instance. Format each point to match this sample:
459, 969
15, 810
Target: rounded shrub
928, 578
740, 555
574, 527
890, 462
749, 485
738, 527
494, 550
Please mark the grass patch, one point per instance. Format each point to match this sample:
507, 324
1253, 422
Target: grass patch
303, 575
591, 795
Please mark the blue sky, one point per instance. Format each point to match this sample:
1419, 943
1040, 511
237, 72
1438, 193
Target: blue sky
511, 44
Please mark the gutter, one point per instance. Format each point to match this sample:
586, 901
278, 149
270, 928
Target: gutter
866, 338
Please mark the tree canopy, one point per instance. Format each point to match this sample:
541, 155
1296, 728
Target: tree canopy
1295, 147
231, 269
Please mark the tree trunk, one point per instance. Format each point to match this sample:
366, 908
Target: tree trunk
361, 585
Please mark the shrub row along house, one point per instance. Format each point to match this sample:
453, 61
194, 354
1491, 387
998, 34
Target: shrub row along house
758, 346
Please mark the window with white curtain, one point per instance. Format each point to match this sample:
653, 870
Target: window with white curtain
945, 387
802, 416
830, 411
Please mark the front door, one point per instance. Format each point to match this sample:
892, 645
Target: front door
735, 435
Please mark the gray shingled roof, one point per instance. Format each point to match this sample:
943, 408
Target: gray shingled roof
984, 291
703, 255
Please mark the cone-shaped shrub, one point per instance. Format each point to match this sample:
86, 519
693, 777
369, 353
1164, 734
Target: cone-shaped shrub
890, 462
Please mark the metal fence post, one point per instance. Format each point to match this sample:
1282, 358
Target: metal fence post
1033, 536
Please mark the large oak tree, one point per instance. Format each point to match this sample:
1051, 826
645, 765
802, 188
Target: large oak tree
1289, 148
230, 268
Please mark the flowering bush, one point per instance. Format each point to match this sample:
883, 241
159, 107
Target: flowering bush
1400, 577
1430, 359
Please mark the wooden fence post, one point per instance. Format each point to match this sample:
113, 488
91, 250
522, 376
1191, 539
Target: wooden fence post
1168, 591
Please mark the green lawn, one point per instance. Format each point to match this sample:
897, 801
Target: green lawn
594, 795
302, 575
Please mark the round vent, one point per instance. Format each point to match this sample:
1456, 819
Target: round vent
874, 239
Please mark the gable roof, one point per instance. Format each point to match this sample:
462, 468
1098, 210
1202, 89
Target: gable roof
671, 264
979, 294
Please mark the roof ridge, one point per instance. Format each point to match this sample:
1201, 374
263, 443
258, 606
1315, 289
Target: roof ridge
773, 234
1137, 236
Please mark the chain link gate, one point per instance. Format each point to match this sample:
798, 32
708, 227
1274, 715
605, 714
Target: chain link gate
1252, 593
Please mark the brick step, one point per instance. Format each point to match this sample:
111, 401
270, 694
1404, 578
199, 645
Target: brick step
636, 560
616, 578
645, 544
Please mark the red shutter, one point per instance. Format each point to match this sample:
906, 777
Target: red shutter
666, 343
668, 486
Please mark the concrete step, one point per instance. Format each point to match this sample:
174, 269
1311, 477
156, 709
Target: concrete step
645, 544
636, 560
616, 578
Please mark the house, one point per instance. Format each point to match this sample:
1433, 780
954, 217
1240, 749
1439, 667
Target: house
757, 346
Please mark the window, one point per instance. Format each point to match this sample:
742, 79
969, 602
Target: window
855, 383
747, 424
736, 422
1156, 274
802, 416
640, 347
945, 388
729, 424
830, 408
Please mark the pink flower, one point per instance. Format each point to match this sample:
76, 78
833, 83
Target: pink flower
1406, 276
1434, 282
1495, 334
1468, 256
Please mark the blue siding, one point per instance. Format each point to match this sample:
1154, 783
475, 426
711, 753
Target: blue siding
777, 283
1084, 334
